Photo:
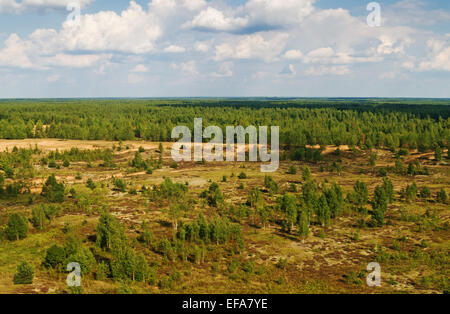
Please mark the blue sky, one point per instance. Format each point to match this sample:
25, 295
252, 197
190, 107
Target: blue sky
176, 48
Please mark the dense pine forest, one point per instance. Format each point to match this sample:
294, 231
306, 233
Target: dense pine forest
414, 124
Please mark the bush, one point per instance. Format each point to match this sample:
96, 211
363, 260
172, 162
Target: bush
54, 257
120, 185
292, 170
425, 192
242, 176
24, 274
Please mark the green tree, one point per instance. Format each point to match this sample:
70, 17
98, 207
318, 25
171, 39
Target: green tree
425, 192
361, 194
55, 257
380, 200
24, 274
306, 173
52, 190
388, 189
39, 217
372, 159
438, 153
442, 196
411, 192
109, 232
303, 226
292, 170
17, 227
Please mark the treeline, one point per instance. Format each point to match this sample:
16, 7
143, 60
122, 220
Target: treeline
301, 122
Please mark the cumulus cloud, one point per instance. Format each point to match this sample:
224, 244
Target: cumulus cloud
253, 16
255, 46
18, 7
212, 19
293, 54
174, 49
16, 53
134, 30
438, 56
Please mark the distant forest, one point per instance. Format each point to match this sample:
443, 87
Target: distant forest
392, 123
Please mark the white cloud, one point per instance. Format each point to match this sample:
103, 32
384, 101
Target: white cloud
254, 46
133, 31
194, 5
140, 68
18, 7
16, 53
189, 68
254, 15
74, 61
293, 54
438, 56
212, 19
202, 46
278, 13
328, 70
174, 49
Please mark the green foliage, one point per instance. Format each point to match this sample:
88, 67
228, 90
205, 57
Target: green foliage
213, 195
17, 227
271, 185
410, 192
292, 170
255, 198
91, 184
438, 153
242, 176
39, 217
306, 173
442, 196
146, 236
55, 257
169, 190
120, 185
24, 274
388, 188
360, 196
109, 232
425, 192
52, 190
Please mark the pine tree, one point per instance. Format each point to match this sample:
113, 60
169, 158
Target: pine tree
388, 189
17, 227
380, 200
438, 153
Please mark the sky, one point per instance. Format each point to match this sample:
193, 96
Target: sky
224, 48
